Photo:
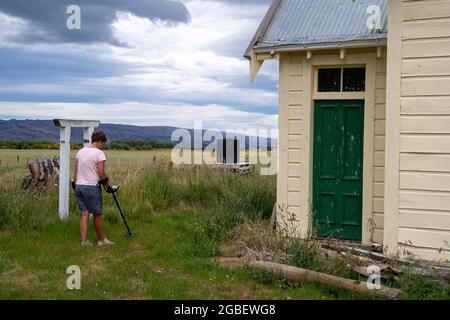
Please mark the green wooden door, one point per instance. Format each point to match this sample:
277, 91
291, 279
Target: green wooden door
337, 181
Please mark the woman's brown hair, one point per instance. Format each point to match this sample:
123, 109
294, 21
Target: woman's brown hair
98, 136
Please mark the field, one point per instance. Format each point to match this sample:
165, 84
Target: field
183, 219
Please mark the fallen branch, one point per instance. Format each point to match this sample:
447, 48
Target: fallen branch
299, 275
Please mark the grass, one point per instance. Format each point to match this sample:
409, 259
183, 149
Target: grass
181, 218
164, 261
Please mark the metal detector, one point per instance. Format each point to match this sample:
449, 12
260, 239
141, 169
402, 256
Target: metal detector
113, 190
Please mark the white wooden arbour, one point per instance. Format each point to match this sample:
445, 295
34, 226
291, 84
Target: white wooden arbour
64, 161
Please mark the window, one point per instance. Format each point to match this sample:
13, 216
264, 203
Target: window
352, 79
329, 80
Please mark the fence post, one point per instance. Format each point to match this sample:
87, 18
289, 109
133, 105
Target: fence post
64, 174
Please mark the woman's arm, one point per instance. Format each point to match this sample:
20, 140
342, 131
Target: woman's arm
101, 169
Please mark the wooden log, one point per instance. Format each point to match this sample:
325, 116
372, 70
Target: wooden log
300, 275
33, 170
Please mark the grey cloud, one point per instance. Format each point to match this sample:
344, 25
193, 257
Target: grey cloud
47, 18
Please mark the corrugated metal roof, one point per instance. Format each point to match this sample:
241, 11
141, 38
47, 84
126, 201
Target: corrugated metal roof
306, 22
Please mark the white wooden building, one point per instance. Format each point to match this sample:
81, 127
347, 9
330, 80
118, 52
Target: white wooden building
364, 119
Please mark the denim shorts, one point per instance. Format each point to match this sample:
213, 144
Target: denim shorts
89, 199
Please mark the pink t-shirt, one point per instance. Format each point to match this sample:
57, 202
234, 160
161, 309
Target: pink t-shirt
88, 158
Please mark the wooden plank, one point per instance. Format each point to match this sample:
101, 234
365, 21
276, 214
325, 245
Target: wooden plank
295, 97
380, 144
294, 198
378, 158
426, 105
425, 10
426, 67
380, 127
378, 205
296, 67
378, 220
294, 170
380, 111
424, 238
381, 66
426, 124
296, 59
296, 113
424, 219
425, 29
426, 253
425, 143
380, 96
294, 155
426, 48
295, 141
295, 126
377, 236
295, 82
380, 81
378, 189
424, 200
378, 174
294, 184
425, 181
425, 162
432, 86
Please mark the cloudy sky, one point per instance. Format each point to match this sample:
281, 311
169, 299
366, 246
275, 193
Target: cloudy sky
142, 62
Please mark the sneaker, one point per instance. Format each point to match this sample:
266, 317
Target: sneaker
86, 243
104, 242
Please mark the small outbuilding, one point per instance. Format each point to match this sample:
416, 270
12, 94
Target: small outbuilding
364, 120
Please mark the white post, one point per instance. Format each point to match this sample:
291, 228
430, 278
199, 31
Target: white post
64, 174
87, 133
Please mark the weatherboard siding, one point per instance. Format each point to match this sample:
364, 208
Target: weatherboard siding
291, 185
379, 150
423, 131
297, 201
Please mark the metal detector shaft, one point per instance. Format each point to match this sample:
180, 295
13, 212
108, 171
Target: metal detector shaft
121, 213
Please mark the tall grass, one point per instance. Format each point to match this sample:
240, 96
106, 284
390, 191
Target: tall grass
224, 199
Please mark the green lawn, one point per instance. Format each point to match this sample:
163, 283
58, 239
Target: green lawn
164, 261
169, 259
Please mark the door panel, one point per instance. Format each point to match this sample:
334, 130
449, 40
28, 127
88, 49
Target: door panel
337, 170
327, 129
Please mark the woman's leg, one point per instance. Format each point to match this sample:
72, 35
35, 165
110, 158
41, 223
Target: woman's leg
84, 226
98, 225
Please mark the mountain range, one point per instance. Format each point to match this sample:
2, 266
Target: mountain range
34, 130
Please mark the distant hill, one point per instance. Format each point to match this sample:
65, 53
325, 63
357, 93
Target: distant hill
17, 130
34, 130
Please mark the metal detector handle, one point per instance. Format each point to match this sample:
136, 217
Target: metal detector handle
111, 189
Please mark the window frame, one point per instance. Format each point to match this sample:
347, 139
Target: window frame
337, 94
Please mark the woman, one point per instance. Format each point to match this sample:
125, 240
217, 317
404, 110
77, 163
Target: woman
88, 172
